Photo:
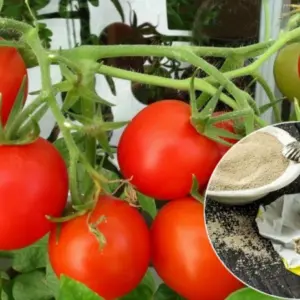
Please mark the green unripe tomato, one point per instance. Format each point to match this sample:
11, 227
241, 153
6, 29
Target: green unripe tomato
287, 71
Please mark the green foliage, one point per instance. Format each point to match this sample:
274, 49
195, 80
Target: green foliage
165, 293
249, 294
71, 289
17, 9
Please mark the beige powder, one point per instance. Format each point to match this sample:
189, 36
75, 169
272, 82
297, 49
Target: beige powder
254, 162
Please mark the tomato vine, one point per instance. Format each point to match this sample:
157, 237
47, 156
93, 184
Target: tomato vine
78, 68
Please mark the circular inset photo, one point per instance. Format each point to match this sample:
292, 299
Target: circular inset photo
252, 210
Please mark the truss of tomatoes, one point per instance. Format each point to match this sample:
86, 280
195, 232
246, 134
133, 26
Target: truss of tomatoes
160, 150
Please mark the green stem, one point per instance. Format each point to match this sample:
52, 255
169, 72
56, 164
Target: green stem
33, 40
180, 84
15, 25
100, 52
76, 196
252, 68
18, 44
88, 109
270, 95
71, 64
267, 19
218, 76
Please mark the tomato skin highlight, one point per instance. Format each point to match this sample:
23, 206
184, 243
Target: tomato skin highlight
116, 269
13, 70
33, 184
183, 256
160, 150
227, 125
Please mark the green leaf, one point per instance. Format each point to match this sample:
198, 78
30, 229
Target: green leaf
108, 126
147, 204
112, 176
88, 95
192, 94
4, 275
62, 8
165, 293
195, 190
134, 21
249, 123
31, 125
67, 73
7, 290
102, 139
211, 105
52, 280
71, 99
232, 62
32, 257
144, 290
267, 106
74, 290
249, 294
6, 254
95, 3
1, 4
60, 87
31, 286
119, 8
220, 132
28, 133
202, 100
61, 146
18, 104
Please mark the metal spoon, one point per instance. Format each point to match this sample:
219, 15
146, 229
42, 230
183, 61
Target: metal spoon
291, 151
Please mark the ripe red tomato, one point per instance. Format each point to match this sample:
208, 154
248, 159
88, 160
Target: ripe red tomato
12, 72
227, 125
160, 150
183, 256
116, 269
33, 184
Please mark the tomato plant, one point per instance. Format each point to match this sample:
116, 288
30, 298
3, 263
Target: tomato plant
229, 126
161, 150
118, 267
183, 256
33, 184
104, 248
12, 72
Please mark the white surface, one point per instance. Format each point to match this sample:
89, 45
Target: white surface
280, 223
240, 197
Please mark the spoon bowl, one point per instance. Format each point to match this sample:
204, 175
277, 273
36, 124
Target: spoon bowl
242, 197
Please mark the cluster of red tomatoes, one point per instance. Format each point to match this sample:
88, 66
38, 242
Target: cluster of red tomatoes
160, 151
33, 177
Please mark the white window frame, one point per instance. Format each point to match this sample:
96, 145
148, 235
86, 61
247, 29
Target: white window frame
277, 8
